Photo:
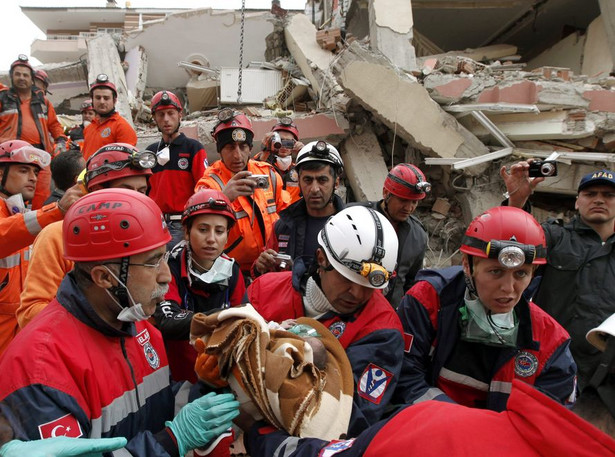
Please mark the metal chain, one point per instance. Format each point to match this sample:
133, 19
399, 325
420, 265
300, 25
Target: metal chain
243, 21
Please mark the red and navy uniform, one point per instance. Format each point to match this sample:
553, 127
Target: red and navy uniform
172, 184
439, 365
532, 425
70, 373
184, 298
371, 337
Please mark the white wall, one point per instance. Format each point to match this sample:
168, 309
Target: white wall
211, 33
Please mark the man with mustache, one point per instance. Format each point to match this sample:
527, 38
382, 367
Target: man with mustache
577, 280
91, 365
354, 261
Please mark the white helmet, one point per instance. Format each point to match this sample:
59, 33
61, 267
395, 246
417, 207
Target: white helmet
599, 336
320, 151
361, 244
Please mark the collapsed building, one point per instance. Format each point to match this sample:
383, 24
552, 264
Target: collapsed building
458, 88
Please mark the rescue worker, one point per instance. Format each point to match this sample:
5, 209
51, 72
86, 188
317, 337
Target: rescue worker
65, 167
404, 186
354, 261
181, 162
87, 115
20, 164
25, 114
576, 282
254, 188
469, 331
203, 277
280, 146
108, 126
320, 168
113, 166
41, 80
91, 365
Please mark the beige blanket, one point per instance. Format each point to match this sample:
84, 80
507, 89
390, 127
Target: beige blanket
272, 373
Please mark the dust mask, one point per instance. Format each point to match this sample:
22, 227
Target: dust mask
283, 163
132, 313
163, 156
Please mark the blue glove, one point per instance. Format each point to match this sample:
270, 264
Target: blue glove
202, 420
61, 446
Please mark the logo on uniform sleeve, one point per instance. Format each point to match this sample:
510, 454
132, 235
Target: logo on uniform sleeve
105, 133
183, 163
408, 340
373, 383
526, 364
337, 328
66, 425
150, 353
335, 447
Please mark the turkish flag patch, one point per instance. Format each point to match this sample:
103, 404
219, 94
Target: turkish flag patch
63, 426
408, 339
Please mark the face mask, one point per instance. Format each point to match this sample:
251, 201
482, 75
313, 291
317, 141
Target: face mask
163, 156
132, 313
478, 325
86, 123
220, 271
16, 204
283, 163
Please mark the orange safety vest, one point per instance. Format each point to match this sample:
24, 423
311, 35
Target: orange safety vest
17, 232
248, 237
103, 131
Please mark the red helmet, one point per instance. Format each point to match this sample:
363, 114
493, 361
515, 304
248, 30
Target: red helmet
164, 100
18, 151
238, 126
112, 223
286, 124
87, 105
407, 181
43, 76
22, 60
102, 81
114, 161
209, 201
509, 234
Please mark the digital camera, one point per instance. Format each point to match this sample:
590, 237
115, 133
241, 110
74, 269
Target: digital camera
262, 181
543, 168
284, 262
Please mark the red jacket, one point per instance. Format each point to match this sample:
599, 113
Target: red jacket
371, 337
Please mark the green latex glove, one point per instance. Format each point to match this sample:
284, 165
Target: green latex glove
61, 446
202, 420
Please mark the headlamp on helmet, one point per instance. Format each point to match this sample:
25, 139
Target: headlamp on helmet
22, 58
226, 115
102, 78
217, 205
510, 254
136, 159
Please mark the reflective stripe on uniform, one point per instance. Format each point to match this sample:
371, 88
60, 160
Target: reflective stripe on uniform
430, 394
120, 408
31, 222
241, 214
10, 261
287, 447
501, 386
272, 209
464, 380
218, 180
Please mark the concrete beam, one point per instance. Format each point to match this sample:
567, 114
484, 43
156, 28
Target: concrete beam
403, 105
598, 48
390, 31
364, 165
104, 58
607, 10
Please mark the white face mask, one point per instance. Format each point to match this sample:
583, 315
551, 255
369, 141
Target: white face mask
86, 123
134, 313
283, 163
220, 271
16, 204
164, 155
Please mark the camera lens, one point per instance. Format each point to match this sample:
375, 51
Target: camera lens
547, 169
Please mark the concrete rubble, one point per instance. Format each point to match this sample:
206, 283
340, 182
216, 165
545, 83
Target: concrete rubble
384, 94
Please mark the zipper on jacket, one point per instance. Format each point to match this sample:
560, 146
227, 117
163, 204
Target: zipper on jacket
132, 371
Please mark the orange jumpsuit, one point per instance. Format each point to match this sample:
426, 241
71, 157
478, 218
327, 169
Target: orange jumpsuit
103, 131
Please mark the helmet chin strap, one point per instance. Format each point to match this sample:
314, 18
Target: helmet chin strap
121, 291
469, 281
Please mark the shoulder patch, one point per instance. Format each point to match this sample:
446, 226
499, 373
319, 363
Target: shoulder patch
335, 447
373, 383
526, 364
66, 425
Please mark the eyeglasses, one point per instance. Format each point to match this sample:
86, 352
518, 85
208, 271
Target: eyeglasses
157, 265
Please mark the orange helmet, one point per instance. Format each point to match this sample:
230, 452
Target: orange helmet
87, 105
286, 124
111, 224
22, 60
114, 161
19, 151
508, 234
102, 81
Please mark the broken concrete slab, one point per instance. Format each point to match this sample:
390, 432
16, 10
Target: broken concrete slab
403, 105
607, 10
103, 57
484, 53
364, 165
390, 31
136, 75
